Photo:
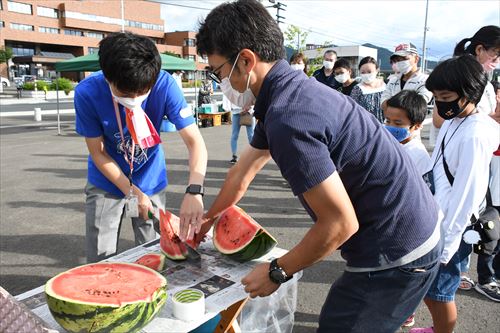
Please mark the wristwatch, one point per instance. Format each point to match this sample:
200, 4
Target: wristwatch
195, 189
277, 274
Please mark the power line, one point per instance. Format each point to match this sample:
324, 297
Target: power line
185, 6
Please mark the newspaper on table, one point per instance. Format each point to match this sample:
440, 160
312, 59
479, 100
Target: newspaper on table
216, 275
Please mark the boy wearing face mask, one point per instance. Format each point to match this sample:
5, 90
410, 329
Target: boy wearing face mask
404, 116
405, 59
342, 71
119, 111
460, 170
325, 74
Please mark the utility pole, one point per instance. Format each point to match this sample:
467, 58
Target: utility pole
122, 9
279, 6
424, 49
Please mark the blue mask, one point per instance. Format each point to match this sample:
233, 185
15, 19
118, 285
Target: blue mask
400, 133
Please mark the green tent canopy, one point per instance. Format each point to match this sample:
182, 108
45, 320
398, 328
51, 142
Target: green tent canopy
90, 63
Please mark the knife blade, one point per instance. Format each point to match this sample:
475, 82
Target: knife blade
156, 217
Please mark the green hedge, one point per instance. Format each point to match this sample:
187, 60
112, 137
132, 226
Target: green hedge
64, 84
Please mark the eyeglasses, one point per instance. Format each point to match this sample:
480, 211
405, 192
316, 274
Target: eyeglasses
213, 73
494, 54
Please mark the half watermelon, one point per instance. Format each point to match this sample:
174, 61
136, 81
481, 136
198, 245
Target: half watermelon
106, 297
170, 243
237, 235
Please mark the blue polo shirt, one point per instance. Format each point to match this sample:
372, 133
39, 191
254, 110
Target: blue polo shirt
330, 81
312, 131
95, 116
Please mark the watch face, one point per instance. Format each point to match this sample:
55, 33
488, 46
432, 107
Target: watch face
277, 276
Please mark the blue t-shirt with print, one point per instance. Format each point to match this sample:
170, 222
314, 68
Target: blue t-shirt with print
95, 117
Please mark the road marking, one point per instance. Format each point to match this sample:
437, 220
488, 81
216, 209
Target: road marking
32, 113
45, 125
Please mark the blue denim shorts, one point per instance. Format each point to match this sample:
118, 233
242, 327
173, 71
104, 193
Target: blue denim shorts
446, 283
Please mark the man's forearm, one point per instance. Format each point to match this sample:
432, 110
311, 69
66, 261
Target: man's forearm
320, 241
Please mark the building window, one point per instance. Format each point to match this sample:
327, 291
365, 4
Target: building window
190, 57
72, 32
189, 42
93, 50
48, 30
203, 60
47, 12
22, 51
111, 20
18, 26
2, 24
97, 35
19, 7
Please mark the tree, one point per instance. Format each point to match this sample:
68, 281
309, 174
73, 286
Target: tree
5, 54
295, 38
173, 54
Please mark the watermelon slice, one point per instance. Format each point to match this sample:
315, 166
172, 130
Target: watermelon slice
106, 297
170, 243
154, 261
237, 235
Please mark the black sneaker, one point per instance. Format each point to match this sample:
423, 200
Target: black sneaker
234, 159
490, 290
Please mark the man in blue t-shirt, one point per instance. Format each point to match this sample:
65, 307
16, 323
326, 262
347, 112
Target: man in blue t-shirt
126, 176
360, 188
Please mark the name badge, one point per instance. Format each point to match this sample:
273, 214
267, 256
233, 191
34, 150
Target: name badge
132, 206
429, 181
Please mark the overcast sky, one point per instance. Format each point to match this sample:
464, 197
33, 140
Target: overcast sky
383, 23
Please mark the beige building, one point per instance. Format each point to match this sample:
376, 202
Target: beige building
43, 32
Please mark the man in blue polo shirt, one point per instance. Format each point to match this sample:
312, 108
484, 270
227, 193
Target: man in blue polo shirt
326, 73
360, 188
126, 167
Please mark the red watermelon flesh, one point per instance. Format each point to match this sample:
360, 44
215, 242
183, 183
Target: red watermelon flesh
238, 235
112, 284
154, 261
170, 243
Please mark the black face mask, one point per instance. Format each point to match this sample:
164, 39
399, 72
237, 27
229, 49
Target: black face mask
449, 110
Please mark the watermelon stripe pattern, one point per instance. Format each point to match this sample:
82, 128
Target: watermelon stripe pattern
238, 236
80, 316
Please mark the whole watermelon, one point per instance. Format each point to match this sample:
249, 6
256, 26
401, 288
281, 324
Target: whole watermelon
106, 297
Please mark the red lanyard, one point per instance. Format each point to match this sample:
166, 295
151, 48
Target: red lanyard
131, 160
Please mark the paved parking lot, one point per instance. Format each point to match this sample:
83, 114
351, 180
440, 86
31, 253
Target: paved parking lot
42, 176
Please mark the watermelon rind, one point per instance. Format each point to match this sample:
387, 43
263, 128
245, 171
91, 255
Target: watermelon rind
262, 243
160, 257
170, 244
80, 316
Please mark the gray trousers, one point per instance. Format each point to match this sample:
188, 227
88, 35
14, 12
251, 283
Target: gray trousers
103, 217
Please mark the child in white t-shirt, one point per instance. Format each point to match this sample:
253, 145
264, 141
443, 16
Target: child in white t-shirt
404, 116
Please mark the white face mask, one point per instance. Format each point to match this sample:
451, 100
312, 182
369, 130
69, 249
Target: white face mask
368, 77
298, 67
342, 78
404, 66
244, 99
328, 64
131, 102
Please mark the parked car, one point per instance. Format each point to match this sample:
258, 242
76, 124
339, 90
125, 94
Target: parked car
5, 82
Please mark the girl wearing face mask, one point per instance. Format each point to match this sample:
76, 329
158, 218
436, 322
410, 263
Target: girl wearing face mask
460, 167
342, 71
298, 61
369, 92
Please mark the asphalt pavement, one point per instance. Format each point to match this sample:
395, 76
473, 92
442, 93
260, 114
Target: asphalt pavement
42, 176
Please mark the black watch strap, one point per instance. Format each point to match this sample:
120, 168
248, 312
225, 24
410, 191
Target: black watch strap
278, 274
195, 189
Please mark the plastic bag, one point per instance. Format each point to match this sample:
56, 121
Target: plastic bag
274, 313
